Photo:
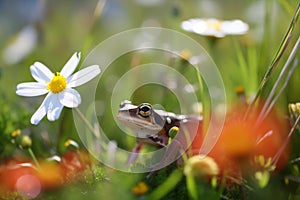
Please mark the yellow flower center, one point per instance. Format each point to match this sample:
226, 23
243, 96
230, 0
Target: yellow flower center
57, 84
215, 25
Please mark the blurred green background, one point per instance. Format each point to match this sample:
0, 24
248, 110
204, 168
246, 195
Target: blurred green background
65, 27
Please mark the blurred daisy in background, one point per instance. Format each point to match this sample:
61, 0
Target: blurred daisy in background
20, 45
150, 3
215, 27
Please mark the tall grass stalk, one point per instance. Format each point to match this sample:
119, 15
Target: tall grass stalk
282, 47
269, 103
243, 67
248, 66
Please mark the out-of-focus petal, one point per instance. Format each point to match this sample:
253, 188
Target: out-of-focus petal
83, 76
71, 65
41, 111
31, 89
40, 72
54, 108
235, 27
21, 45
69, 98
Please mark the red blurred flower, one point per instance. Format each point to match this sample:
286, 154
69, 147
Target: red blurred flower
11, 171
22, 176
75, 162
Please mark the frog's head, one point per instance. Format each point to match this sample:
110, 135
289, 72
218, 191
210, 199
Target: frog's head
142, 119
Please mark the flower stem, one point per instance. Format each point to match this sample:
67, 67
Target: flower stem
169, 184
33, 157
89, 126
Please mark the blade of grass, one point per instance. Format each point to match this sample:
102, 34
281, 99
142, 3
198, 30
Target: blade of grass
241, 62
285, 4
206, 101
285, 69
278, 154
282, 88
191, 187
96, 16
282, 47
264, 53
168, 185
253, 68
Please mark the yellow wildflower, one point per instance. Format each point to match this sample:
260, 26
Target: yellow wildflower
16, 133
140, 189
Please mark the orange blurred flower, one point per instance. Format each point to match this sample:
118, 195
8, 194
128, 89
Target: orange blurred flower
243, 139
50, 174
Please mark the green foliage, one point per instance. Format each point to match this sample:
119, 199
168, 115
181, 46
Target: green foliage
12, 117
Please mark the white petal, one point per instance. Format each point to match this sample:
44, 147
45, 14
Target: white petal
83, 76
235, 27
54, 108
71, 65
40, 72
31, 89
69, 98
41, 111
187, 26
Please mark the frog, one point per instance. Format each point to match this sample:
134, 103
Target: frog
158, 127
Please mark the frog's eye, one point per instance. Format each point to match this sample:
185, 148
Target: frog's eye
145, 110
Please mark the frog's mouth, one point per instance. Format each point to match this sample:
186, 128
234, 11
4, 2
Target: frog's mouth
142, 127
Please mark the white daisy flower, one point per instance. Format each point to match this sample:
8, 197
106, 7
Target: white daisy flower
58, 87
215, 27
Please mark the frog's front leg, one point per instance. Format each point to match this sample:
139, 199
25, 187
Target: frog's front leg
178, 145
134, 153
156, 139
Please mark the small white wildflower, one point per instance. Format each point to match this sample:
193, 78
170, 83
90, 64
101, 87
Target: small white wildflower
215, 27
58, 87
